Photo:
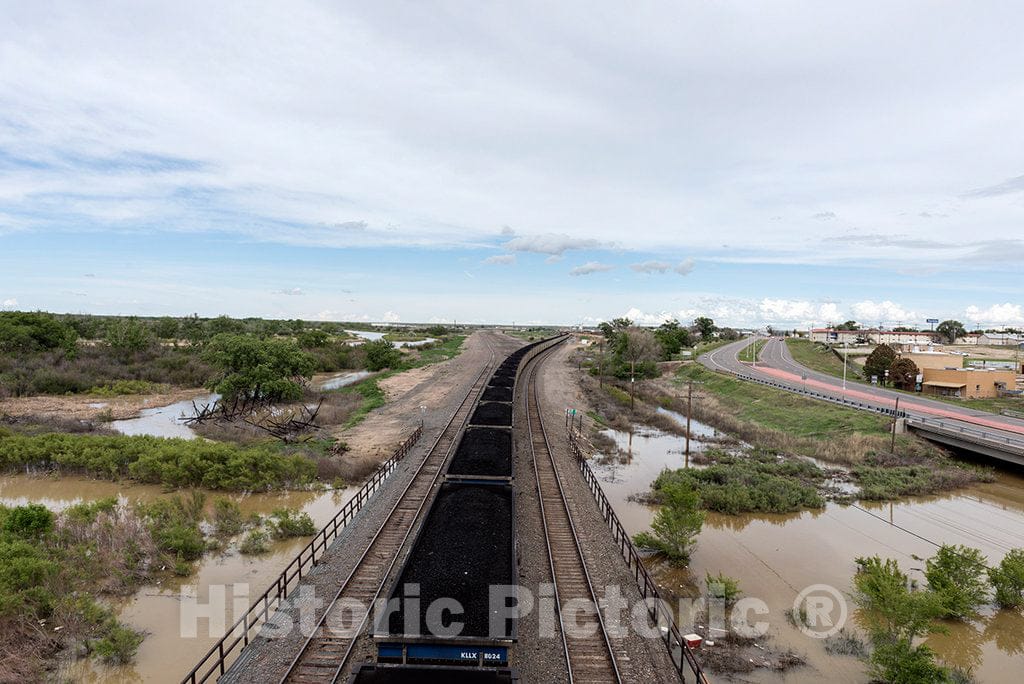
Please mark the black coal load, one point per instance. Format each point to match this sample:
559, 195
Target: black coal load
502, 381
497, 394
419, 674
483, 452
464, 547
492, 413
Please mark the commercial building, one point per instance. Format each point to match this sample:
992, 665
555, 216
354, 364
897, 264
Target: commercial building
1000, 339
967, 383
871, 336
934, 360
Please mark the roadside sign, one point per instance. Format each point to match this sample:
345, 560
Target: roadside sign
933, 321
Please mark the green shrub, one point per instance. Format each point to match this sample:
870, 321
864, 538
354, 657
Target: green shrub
958, 575
381, 354
260, 369
286, 522
1008, 580
174, 462
25, 570
88, 511
676, 525
724, 587
227, 517
119, 646
31, 521
174, 522
255, 542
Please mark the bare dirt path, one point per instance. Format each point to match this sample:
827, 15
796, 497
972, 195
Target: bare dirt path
433, 387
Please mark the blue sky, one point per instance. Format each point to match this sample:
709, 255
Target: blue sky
791, 164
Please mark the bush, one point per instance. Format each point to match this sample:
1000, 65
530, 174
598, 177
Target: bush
381, 354
879, 361
958, 575
255, 542
174, 462
174, 522
1008, 580
723, 587
29, 522
119, 646
676, 525
227, 517
286, 522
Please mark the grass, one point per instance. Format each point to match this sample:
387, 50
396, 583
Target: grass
781, 410
820, 358
447, 349
373, 398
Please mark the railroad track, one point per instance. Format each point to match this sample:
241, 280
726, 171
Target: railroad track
326, 651
589, 657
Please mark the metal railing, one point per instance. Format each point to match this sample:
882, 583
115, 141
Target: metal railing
680, 653
214, 663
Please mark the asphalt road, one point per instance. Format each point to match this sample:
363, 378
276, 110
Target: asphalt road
776, 364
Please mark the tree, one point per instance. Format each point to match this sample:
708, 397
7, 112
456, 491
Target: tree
676, 525
22, 331
672, 337
639, 347
848, 325
128, 336
957, 574
381, 354
705, 326
879, 361
950, 330
895, 617
903, 373
1008, 580
260, 370
166, 328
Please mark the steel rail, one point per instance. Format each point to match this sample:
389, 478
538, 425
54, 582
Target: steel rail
324, 654
590, 658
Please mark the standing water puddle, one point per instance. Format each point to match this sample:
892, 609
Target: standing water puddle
775, 556
154, 609
343, 380
164, 421
371, 335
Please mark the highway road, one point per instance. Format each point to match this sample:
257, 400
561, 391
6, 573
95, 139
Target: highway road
775, 364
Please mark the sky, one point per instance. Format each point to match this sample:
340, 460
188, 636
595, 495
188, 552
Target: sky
784, 163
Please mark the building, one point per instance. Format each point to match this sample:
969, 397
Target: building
1000, 339
968, 339
967, 383
871, 336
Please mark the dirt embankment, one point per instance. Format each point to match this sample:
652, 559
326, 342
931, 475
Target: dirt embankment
86, 407
434, 388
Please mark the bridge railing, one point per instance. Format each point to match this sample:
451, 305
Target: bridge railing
680, 653
215, 662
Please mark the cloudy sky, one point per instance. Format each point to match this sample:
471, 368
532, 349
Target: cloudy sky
787, 163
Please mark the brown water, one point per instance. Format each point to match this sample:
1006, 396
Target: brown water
165, 656
774, 557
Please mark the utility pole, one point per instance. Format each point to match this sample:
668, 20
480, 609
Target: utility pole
689, 406
632, 382
895, 417
845, 347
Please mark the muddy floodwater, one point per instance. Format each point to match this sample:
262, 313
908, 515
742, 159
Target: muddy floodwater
164, 421
775, 556
165, 656
371, 335
345, 379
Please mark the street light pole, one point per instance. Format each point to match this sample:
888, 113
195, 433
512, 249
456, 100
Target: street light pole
895, 417
689, 405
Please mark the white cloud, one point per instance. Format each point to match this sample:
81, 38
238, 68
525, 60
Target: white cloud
641, 318
870, 313
997, 315
684, 267
651, 267
554, 244
504, 259
293, 292
10, 303
590, 267
391, 317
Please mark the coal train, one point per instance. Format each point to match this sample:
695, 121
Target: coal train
466, 545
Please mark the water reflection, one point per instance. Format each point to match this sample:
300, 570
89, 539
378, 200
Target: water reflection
164, 421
